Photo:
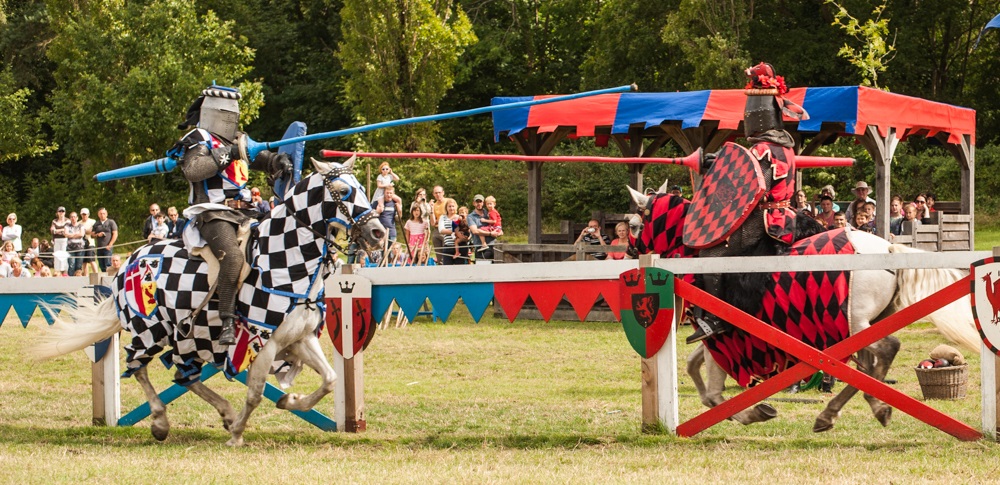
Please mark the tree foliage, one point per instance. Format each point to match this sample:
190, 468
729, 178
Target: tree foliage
399, 58
95, 84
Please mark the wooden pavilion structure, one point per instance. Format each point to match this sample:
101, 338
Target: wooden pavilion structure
640, 124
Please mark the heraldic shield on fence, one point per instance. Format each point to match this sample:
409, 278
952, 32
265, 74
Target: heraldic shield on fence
986, 301
647, 299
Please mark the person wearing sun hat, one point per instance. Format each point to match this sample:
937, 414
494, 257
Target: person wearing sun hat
860, 191
772, 216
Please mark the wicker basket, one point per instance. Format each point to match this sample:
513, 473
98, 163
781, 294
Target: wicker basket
944, 382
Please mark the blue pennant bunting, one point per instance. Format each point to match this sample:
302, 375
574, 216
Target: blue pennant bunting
443, 297
381, 299
25, 304
477, 298
410, 298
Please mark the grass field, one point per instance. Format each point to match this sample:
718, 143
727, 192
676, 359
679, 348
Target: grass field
528, 402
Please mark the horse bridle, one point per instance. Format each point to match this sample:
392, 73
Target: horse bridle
354, 229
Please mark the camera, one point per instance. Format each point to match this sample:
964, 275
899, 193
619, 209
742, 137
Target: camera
590, 229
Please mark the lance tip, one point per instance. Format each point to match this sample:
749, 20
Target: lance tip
633, 87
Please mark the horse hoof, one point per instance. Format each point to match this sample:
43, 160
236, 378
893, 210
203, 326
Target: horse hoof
160, 432
822, 425
235, 442
764, 412
884, 415
285, 401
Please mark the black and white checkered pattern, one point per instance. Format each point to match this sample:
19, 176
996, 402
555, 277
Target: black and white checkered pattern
287, 260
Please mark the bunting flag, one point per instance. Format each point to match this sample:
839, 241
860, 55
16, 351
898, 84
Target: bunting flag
546, 295
992, 24
443, 298
25, 304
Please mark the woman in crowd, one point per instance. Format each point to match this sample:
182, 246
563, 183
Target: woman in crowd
12, 232
621, 231
446, 226
58, 230
420, 199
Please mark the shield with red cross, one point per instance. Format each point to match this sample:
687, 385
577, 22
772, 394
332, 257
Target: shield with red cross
647, 314
140, 284
728, 194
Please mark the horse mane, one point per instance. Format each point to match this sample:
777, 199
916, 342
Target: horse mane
954, 320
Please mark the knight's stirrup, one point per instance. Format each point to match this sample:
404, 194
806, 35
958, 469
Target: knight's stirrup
228, 335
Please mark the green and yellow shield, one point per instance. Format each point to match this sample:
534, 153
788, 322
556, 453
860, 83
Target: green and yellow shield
647, 299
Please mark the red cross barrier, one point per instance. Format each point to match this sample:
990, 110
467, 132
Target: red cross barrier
829, 361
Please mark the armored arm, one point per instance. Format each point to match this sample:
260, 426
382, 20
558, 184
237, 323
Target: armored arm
276, 165
200, 163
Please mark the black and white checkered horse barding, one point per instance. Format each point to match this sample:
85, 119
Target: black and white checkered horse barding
161, 286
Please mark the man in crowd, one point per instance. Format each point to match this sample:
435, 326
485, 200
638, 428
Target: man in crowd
592, 235
826, 215
175, 223
105, 233
481, 240
147, 226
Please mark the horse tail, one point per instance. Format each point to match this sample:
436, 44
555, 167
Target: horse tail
954, 320
76, 328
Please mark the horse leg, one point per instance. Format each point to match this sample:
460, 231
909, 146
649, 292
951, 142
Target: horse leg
256, 376
311, 354
157, 410
884, 351
711, 395
874, 360
218, 402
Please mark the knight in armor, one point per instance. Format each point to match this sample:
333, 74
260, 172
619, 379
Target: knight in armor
772, 216
214, 159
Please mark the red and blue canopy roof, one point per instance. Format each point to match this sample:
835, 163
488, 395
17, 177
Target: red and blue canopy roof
856, 107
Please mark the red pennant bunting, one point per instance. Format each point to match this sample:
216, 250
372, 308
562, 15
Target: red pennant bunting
546, 295
510, 297
583, 294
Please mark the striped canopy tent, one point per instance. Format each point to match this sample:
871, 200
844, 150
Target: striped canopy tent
641, 123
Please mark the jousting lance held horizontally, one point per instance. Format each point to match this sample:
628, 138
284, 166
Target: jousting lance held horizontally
252, 148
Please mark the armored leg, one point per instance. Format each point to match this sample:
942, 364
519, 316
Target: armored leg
221, 237
705, 323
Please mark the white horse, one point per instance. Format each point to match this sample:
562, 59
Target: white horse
875, 294
291, 257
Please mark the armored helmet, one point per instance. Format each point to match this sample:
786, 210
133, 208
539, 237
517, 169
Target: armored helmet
217, 110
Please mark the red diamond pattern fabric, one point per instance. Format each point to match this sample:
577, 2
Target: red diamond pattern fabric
728, 194
810, 306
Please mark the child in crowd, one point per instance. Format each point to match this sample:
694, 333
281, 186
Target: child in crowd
492, 222
9, 254
462, 235
386, 177
415, 231
160, 228
861, 222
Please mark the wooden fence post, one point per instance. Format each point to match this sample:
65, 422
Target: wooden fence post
349, 406
659, 375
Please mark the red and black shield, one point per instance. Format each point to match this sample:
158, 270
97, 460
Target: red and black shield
649, 318
362, 326
727, 196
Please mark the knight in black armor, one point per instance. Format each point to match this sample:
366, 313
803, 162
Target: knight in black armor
214, 159
772, 216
